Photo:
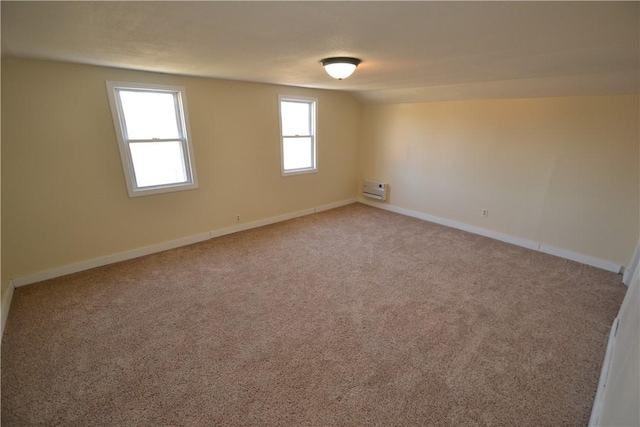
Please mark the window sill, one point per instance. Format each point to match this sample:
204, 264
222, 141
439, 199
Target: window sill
298, 172
162, 189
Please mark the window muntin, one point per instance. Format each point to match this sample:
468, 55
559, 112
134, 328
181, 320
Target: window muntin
152, 134
298, 135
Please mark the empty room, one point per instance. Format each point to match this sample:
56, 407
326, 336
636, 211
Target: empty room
320, 213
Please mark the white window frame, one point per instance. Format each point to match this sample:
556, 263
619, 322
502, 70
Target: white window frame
313, 112
184, 132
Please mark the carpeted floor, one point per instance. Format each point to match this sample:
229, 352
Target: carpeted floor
354, 317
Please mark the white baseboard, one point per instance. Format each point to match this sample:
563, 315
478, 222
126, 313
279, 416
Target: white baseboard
335, 205
260, 223
529, 244
279, 218
172, 244
6, 305
581, 258
109, 259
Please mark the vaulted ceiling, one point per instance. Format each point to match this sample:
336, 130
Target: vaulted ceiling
410, 51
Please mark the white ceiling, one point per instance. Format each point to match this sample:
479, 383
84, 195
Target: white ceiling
410, 51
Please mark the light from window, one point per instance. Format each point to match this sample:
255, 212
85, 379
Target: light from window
158, 163
298, 139
151, 127
149, 114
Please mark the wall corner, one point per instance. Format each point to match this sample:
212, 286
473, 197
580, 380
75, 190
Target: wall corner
7, 296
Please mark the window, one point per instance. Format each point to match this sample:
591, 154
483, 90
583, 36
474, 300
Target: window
152, 132
298, 135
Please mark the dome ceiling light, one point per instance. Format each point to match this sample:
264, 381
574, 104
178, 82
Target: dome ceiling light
340, 67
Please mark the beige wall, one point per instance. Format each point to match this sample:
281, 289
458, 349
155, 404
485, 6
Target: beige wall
4, 287
64, 197
559, 171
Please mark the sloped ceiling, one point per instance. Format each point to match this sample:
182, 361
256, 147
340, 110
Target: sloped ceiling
411, 51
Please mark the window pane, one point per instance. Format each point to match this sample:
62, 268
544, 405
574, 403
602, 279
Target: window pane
149, 115
158, 163
298, 153
295, 118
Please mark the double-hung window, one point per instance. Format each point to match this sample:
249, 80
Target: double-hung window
153, 138
298, 135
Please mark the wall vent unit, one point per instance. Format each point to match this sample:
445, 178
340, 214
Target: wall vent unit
374, 189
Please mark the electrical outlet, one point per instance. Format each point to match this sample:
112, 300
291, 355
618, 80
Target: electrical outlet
238, 218
485, 212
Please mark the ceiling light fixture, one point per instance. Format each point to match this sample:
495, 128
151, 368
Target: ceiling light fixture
340, 67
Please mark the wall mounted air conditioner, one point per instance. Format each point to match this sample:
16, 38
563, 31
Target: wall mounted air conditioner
374, 189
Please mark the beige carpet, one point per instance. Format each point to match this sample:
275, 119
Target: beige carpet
353, 317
